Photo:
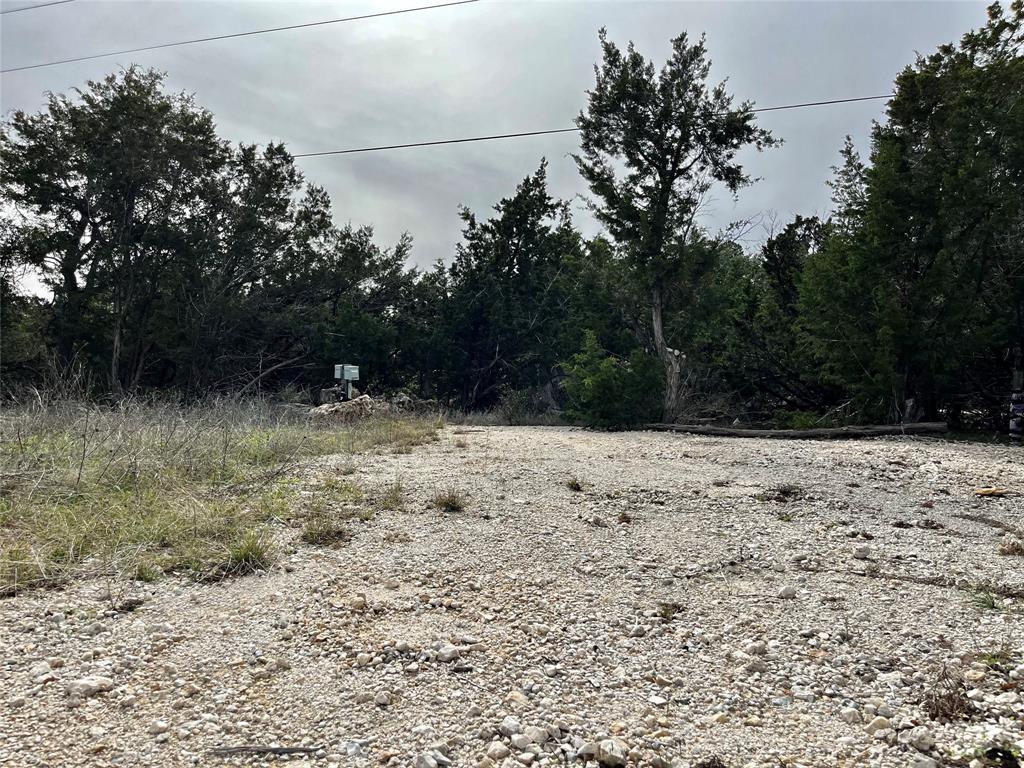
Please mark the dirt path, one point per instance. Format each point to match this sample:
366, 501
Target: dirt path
680, 606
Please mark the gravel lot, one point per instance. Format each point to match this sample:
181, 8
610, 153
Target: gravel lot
764, 602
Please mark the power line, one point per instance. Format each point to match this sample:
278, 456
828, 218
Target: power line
562, 130
435, 143
236, 34
824, 103
33, 7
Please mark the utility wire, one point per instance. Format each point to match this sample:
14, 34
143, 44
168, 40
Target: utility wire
33, 7
435, 143
563, 130
235, 34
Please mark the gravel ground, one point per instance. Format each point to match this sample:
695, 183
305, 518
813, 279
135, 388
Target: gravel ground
764, 602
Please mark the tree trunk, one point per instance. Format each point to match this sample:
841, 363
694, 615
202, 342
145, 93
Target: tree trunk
115, 356
672, 359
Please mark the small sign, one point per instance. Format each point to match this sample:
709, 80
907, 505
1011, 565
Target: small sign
346, 372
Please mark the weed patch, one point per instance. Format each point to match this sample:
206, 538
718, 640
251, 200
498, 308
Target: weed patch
139, 490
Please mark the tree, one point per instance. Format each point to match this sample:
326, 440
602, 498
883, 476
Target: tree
509, 292
915, 302
103, 187
653, 144
175, 260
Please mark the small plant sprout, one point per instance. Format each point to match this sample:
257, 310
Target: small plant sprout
667, 609
986, 601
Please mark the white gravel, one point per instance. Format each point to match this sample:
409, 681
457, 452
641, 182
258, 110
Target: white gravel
673, 610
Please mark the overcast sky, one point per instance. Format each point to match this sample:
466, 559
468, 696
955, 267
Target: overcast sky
489, 67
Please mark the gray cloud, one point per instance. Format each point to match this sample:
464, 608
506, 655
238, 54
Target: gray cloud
491, 67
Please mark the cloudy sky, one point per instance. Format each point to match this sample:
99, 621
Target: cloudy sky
485, 68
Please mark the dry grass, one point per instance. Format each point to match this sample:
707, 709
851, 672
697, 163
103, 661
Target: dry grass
946, 698
450, 500
322, 529
144, 489
782, 493
392, 498
1012, 547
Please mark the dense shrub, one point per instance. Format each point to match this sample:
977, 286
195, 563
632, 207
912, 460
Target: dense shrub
609, 392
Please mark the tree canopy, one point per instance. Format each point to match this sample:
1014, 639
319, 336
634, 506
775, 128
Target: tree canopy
173, 260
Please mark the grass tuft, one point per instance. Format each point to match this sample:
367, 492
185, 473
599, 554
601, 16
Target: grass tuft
946, 699
450, 501
997, 658
251, 552
986, 601
323, 530
393, 498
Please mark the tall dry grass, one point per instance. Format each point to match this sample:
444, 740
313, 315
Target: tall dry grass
143, 488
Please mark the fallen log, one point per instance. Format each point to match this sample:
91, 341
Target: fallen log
816, 433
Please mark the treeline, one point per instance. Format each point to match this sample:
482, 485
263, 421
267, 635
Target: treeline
175, 261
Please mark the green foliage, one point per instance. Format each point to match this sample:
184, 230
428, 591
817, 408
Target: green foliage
147, 489
608, 392
653, 143
505, 320
919, 295
178, 262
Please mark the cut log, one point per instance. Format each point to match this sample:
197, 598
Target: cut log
818, 433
